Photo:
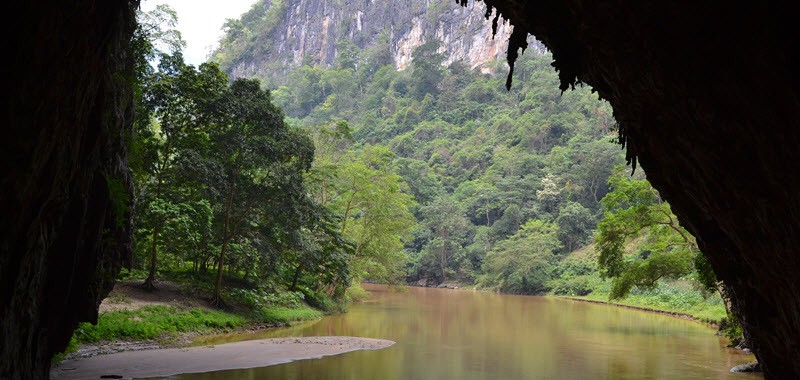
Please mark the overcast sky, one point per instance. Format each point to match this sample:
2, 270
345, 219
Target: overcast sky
200, 22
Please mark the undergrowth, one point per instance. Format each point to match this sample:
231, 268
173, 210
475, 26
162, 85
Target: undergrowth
152, 322
673, 297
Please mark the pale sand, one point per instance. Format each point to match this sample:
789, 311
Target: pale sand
246, 354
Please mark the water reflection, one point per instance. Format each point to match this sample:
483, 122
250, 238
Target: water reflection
446, 334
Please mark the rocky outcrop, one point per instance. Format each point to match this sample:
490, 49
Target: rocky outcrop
308, 31
706, 95
65, 190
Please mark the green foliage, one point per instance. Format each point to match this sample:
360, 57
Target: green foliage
572, 286
220, 177
677, 296
427, 71
471, 155
370, 201
260, 299
249, 36
525, 262
355, 293
730, 328
151, 322
575, 224
446, 230
285, 315
634, 208
645, 273
321, 301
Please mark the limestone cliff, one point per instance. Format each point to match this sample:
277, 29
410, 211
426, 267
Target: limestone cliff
275, 35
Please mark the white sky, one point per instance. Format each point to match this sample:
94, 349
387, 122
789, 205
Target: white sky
200, 22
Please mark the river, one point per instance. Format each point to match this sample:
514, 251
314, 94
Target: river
461, 334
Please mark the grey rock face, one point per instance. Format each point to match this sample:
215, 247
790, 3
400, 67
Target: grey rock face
308, 31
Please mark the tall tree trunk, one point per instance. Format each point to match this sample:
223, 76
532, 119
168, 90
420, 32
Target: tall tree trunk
216, 299
296, 277
151, 274
346, 215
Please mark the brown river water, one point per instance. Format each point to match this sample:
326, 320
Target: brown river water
463, 334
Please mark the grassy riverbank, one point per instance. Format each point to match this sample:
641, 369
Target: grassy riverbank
579, 278
179, 310
669, 298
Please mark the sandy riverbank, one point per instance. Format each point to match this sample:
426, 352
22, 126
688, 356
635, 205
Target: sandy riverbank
247, 354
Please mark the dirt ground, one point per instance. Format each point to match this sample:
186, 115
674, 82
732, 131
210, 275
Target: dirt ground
129, 295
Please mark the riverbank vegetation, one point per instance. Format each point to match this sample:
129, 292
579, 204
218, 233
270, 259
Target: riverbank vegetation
273, 196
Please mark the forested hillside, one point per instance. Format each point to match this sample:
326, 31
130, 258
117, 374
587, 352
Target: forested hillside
482, 163
521, 191
434, 175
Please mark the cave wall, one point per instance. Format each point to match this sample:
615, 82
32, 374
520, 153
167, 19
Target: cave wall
705, 94
65, 192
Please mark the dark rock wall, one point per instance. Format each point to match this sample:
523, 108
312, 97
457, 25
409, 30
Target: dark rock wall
65, 190
706, 94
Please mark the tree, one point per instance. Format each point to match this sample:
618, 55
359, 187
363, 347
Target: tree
523, 263
448, 230
181, 101
480, 200
575, 224
258, 165
586, 164
428, 71
634, 208
374, 206
551, 194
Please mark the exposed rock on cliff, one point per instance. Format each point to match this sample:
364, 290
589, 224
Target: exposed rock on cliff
65, 188
707, 101
275, 35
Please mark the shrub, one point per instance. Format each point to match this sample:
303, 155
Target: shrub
574, 286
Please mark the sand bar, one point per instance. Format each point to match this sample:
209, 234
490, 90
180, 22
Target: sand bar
246, 354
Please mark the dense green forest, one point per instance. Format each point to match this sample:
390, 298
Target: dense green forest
510, 188
310, 183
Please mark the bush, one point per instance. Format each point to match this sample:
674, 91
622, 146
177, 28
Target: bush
730, 328
575, 286
283, 315
321, 301
259, 298
356, 293
151, 322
